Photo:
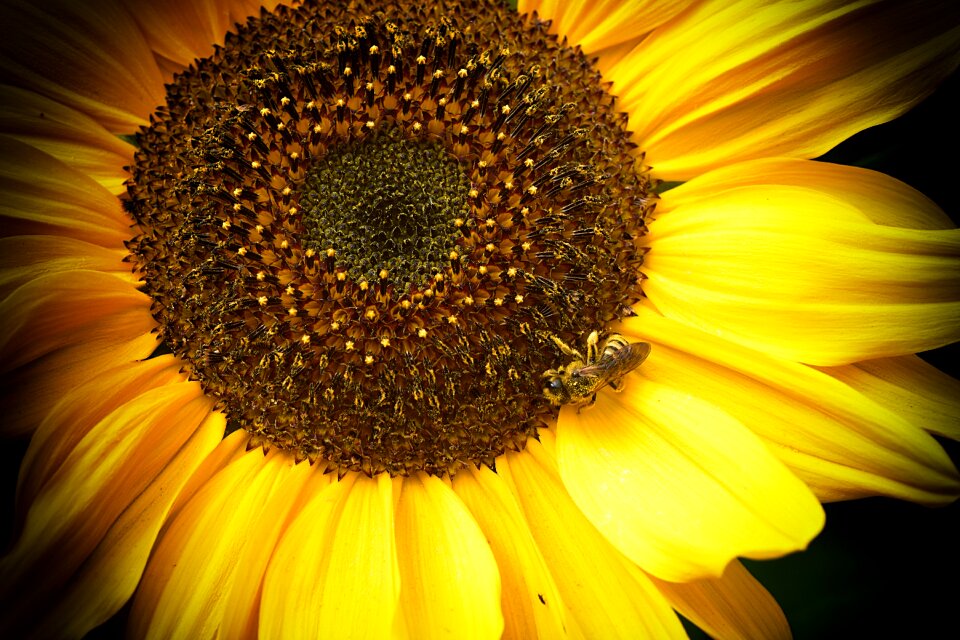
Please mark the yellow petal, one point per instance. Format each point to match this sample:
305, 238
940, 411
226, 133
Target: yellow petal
655, 468
23, 258
66, 134
604, 23
731, 81
839, 441
40, 195
880, 198
82, 408
192, 568
107, 579
732, 606
335, 573
90, 56
909, 387
450, 587
531, 603
101, 477
604, 596
803, 275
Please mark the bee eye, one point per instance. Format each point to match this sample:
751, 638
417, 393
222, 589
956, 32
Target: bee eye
555, 384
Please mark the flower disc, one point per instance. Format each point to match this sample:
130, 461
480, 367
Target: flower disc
362, 234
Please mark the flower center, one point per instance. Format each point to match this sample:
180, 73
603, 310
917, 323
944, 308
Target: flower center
384, 203
365, 227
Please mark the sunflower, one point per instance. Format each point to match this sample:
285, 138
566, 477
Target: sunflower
278, 312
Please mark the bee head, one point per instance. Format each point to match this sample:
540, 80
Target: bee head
554, 389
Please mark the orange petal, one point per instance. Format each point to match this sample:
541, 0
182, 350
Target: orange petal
107, 579
604, 595
182, 30
90, 56
909, 387
531, 603
734, 605
802, 274
23, 258
839, 441
335, 572
731, 81
596, 26
66, 134
213, 556
81, 408
655, 467
40, 195
104, 473
450, 586
66, 327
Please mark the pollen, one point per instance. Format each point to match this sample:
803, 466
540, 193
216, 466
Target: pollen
384, 228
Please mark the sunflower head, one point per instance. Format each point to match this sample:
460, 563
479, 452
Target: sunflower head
365, 236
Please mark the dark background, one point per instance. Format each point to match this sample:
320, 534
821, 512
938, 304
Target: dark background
881, 568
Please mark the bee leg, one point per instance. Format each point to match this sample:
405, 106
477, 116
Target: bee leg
593, 353
567, 349
587, 404
617, 385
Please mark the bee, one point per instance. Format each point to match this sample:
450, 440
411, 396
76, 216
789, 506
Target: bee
579, 381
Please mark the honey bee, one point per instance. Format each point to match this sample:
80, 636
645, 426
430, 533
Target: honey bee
579, 381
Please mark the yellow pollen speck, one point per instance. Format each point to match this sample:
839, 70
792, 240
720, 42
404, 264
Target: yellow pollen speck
468, 300
334, 326
347, 71
482, 270
501, 136
526, 246
384, 274
226, 224
261, 275
371, 124
317, 128
528, 162
518, 298
309, 253
462, 73
281, 126
464, 129
428, 292
340, 102
262, 300
251, 136
369, 86
391, 69
532, 190
505, 109
237, 192
421, 60
508, 184
442, 102
490, 222
284, 245
349, 345
264, 112
331, 252
454, 255
341, 276
482, 164
405, 304
290, 290
475, 104
294, 155
237, 207
417, 126
371, 314
491, 247
259, 228
498, 302
311, 104
385, 342
422, 333
305, 339
286, 191
525, 211
364, 285
374, 49
284, 100
292, 211
408, 96
242, 251
473, 193
292, 311
452, 319
438, 74
458, 222
255, 164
